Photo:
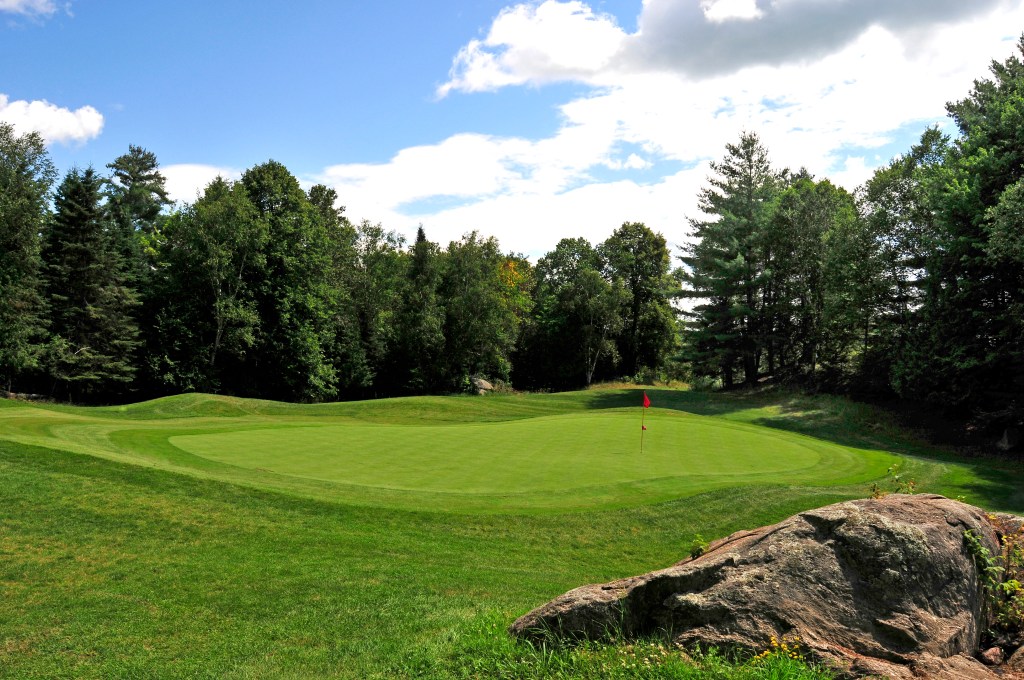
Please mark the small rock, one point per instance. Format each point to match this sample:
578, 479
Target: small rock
481, 386
993, 656
1016, 662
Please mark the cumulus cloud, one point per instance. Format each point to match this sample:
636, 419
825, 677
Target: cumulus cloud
536, 43
28, 7
474, 166
186, 181
532, 222
54, 123
834, 110
710, 38
559, 40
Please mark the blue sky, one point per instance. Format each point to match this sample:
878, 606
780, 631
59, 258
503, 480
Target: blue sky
529, 121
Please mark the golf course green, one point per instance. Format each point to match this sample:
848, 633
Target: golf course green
200, 536
415, 457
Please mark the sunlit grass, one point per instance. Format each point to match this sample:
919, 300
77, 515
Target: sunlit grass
114, 564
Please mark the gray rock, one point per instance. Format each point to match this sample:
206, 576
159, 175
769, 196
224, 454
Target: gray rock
481, 386
876, 586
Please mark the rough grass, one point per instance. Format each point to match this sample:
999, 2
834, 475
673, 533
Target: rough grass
114, 565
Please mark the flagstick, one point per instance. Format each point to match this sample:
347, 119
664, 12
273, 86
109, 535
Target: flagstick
643, 410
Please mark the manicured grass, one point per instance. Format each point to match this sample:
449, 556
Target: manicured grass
534, 453
115, 564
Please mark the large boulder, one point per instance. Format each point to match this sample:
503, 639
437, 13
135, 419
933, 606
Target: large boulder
884, 586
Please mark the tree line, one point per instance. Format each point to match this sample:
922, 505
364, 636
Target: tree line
259, 288
912, 285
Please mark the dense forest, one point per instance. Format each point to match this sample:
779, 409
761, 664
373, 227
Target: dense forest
911, 286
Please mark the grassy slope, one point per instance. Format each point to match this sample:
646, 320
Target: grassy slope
109, 569
519, 452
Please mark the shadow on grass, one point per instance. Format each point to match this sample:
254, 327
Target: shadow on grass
841, 421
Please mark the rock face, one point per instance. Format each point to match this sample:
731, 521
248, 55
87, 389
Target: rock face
872, 587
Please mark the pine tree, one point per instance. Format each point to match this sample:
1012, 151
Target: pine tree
421, 317
137, 194
94, 336
728, 264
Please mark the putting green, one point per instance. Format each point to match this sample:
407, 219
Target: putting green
452, 454
541, 454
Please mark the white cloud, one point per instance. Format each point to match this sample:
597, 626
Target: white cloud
28, 7
54, 123
559, 40
633, 162
717, 11
532, 223
186, 181
701, 39
536, 43
831, 108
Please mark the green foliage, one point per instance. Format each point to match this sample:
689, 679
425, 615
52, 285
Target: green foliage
576, 320
137, 195
698, 546
91, 306
259, 288
728, 264
988, 565
421, 318
486, 300
26, 174
1007, 596
208, 318
488, 651
292, 291
636, 260
898, 483
965, 344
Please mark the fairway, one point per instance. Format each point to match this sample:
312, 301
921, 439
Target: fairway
515, 453
203, 536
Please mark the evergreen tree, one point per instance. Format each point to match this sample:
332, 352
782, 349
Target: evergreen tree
94, 336
728, 267
136, 196
967, 345
896, 207
421, 317
26, 175
819, 283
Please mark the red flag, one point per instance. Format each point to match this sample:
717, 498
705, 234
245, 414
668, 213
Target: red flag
647, 402
644, 426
